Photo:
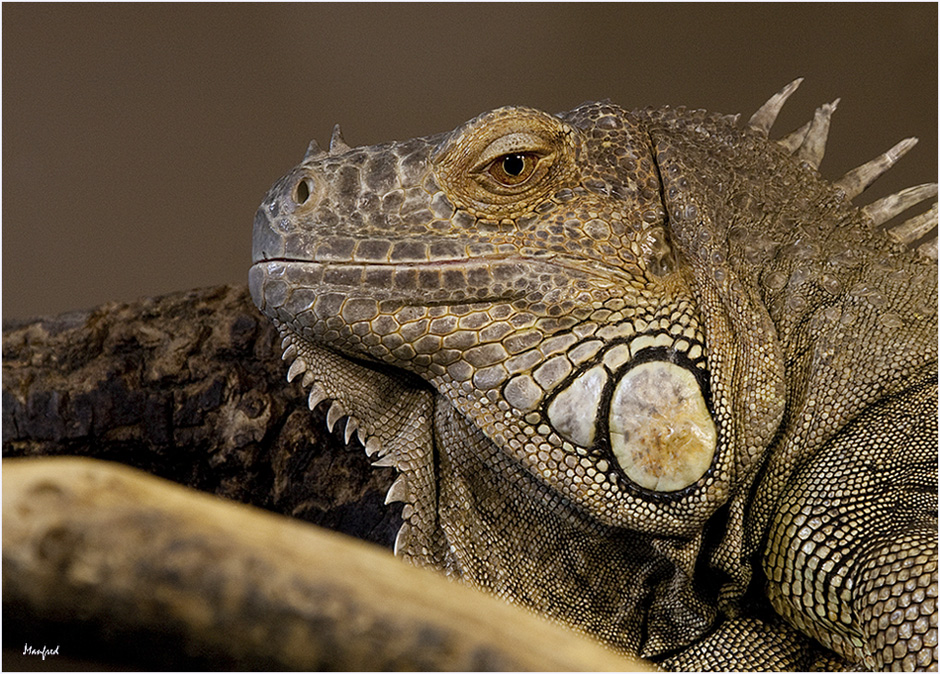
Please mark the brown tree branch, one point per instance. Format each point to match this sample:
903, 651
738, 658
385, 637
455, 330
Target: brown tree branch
170, 578
189, 387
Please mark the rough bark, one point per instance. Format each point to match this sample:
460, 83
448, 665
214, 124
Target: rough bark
190, 387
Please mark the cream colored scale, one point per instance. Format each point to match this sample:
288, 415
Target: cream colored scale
661, 432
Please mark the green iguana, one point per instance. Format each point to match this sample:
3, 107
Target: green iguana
643, 372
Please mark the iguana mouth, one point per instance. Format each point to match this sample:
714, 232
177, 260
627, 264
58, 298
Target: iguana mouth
475, 263
497, 279
427, 284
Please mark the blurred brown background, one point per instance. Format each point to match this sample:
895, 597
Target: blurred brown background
139, 139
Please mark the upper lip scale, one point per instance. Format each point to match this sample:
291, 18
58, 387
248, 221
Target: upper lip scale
600, 270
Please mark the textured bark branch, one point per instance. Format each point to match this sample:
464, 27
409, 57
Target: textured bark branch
189, 387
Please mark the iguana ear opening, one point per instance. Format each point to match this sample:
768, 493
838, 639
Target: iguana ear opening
745, 361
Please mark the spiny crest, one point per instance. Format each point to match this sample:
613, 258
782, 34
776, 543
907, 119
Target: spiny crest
314, 151
857, 180
390, 424
808, 144
766, 115
338, 144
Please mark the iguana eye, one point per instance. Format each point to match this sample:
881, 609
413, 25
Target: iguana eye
513, 169
506, 162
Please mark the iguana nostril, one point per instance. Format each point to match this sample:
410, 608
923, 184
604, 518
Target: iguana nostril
302, 191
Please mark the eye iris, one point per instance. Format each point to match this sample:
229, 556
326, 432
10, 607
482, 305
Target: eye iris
513, 169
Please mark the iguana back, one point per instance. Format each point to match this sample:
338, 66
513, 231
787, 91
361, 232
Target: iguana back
644, 372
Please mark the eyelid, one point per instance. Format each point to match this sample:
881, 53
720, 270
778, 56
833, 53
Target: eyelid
513, 143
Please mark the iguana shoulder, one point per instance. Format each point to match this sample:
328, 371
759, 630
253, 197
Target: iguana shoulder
621, 360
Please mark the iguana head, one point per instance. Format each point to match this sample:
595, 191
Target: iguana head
589, 295
522, 266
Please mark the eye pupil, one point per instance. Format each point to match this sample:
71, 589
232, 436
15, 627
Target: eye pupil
514, 164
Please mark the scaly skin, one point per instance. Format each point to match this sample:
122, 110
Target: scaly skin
624, 362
